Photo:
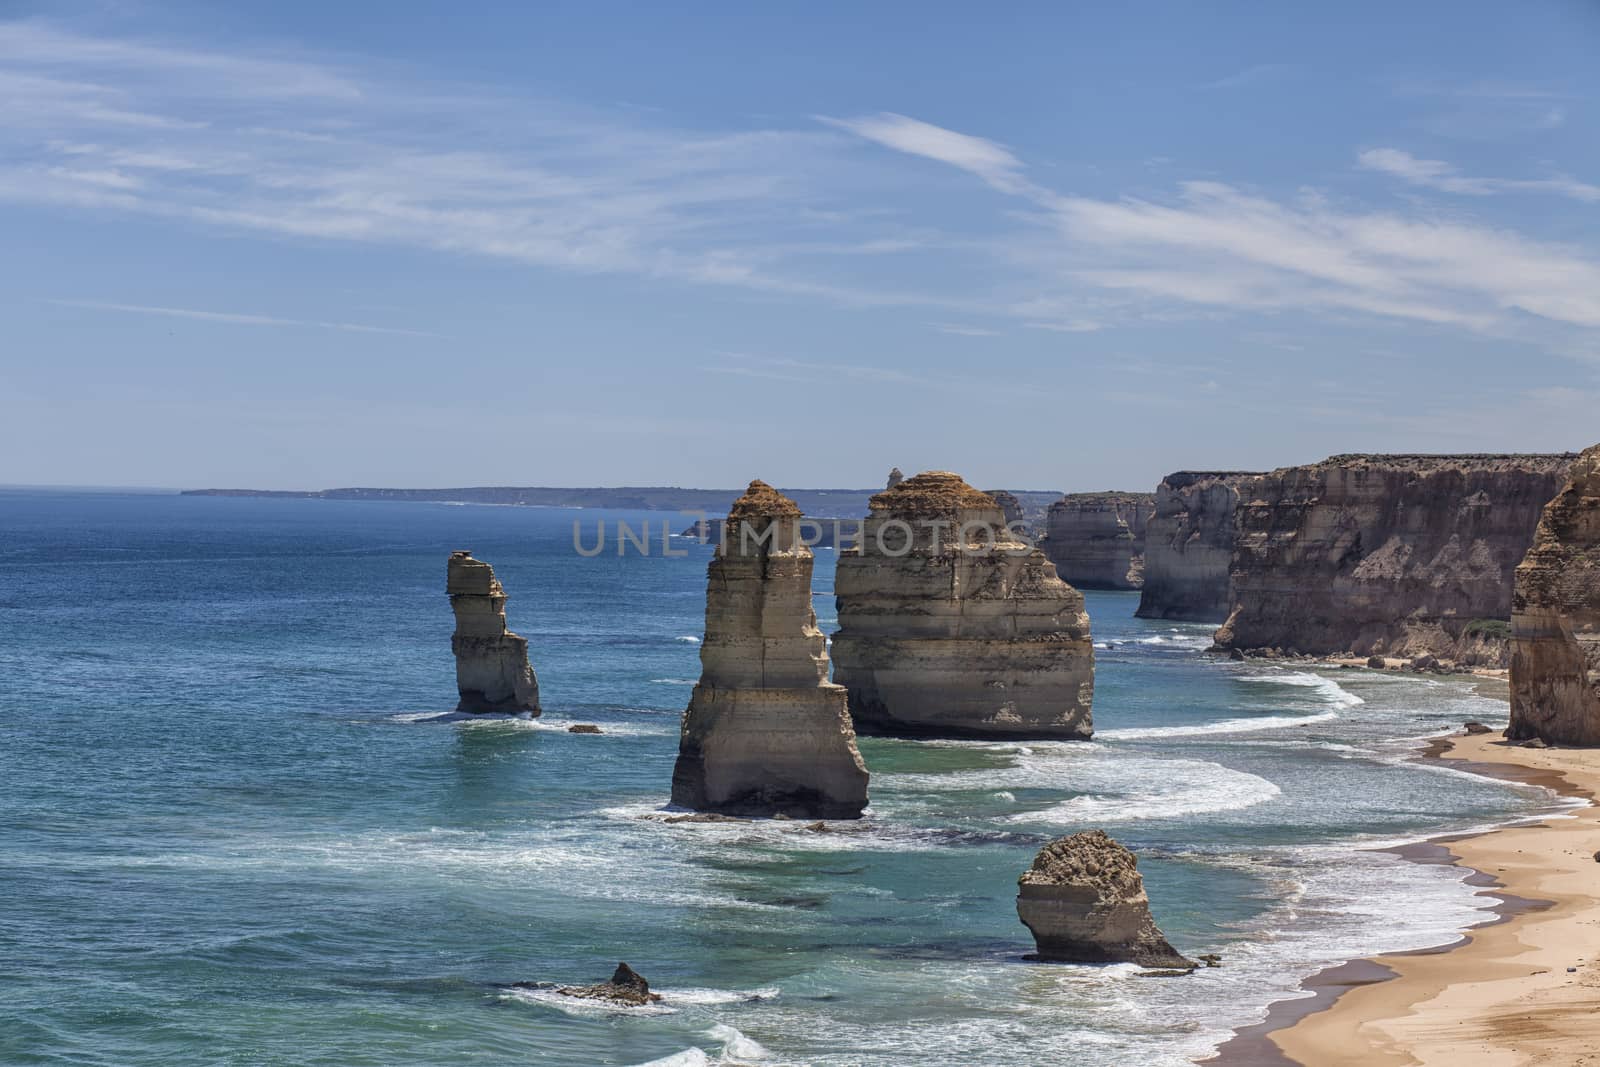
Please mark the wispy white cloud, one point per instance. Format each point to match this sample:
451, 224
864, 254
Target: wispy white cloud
961, 330
990, 161
1252, 75
1445, 177
291, 146
1217, 246
235, 318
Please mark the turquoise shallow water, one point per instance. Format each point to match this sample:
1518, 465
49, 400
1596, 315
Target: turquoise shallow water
230, 833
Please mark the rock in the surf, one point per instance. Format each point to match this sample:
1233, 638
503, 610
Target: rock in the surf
1084, 901
766, 733
626, 986
492, 671
1555, 618
951, 627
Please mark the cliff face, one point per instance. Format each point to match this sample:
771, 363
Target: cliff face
1097, 540
1555, 618
492, 672
766, 733
1189, 546
1385, 555
949, 628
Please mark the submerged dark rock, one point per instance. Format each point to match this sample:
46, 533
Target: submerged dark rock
626, 986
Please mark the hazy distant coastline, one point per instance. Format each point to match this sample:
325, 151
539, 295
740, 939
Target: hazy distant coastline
825, 503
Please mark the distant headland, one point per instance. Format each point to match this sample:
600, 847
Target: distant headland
819, 503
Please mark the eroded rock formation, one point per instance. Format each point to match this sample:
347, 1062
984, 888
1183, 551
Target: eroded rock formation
1398, 555
896, 476
627, 986
492, 671
1555, 618
1084, 901
1097, 540
1188, 548
950, 628
766, 733
1009, 505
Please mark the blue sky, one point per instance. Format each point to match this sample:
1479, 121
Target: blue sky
1049, 245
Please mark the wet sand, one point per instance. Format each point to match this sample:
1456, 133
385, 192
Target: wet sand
1523, 989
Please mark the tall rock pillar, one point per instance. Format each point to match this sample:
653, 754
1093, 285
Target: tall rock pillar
766, 733
492, 672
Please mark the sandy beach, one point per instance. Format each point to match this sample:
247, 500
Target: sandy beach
1525, 990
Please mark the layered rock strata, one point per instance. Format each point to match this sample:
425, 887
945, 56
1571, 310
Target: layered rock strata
948, 627
1555, 618
492, 671
766, 733
1397, 555
1188, 549
1097, 540
1084, 901
1009, 505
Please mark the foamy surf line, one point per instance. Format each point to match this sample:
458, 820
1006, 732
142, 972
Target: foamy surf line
1225, 726
736, 1047
1328, 690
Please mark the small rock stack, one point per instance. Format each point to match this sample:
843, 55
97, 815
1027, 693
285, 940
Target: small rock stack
765, 732
1084, 901
950, 627
492, 671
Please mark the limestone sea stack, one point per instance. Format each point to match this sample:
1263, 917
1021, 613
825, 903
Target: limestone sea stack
1388, 555
1555, 618
1084, 901
766, 733
492, 671
949, 627
1096, 540
1188, 546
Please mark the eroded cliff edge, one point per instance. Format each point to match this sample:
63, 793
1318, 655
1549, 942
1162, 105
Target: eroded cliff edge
949, 627
1097, 540
1399, 555
1555, 618
1188, 546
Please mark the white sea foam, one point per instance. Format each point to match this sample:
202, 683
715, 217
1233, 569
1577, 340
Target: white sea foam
583, 1007
717, 996
690, 639
1225, 726
673, 681
1183, 788
1327, 690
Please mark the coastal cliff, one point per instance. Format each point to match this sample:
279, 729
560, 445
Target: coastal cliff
949, 627
1188, 547
492, 671
1398, 555
1097, 540
1555, 618
766, 733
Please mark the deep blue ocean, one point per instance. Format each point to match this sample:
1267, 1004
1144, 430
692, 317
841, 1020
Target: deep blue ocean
237, 825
